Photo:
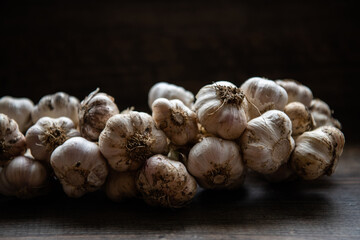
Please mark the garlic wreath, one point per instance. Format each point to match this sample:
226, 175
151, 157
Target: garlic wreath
221, 109
129, 139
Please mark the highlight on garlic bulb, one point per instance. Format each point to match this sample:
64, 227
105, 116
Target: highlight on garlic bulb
24, 177
221, 109
47, 134
170, 91
80, 166
322, 114
129, 139
56, 105
18, 109
94, 112
176, 120
317, 152
300, 116
263, 95
296, 91
121, 185
216, 164
164, 182
12, 141
267, 143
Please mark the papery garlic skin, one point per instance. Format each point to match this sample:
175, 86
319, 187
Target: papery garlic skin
24, 177
47, 134
80, 166
221, 109
164, 182
12, 141
322, 114
178, 122
94, 112
216, 164
296, 91
317, 152
170, 91
267, 143
56, 105
121, 186
263, 95
18, 109
129, 139
300, 116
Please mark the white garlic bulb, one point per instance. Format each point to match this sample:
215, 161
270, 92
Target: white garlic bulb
47, 134
317, 105
164, 182
18, 109
129, 139
94, 112
170, 91
24, 177
322, 114
121, 186
296, 91
263, 95
176, 120
300, 116
317, 152
12, 141
267, 143
57, 105
216, 164
80, 166
221, 109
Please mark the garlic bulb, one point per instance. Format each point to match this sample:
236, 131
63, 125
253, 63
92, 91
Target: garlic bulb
94, 112
267, 143
121, 185
18, 109
170, 91
24, 177
317, 152
129, 139
216, 164
165, 182
57, 105
47, 134
263, 95
79, 166
176, 120
317, 105
322, 114
300, 116
221, 109
296, 91
12, 141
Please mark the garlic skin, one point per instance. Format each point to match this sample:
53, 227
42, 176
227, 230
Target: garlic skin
129, 139
56, 105
300, 116
267, 143
121, 186
317, 152
176, 120
12, 141
170, 91
221, 109
164, 182
322, 114
24, 177
18, 109
263, 95
47, 134
296, 91
94, 112
80, 166
216, 164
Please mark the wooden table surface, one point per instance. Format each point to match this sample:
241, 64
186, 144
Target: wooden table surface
327, 208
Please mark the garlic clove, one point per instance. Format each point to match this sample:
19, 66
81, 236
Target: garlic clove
296, 91
300, 116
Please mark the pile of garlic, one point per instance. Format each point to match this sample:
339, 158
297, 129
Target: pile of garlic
272, 128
